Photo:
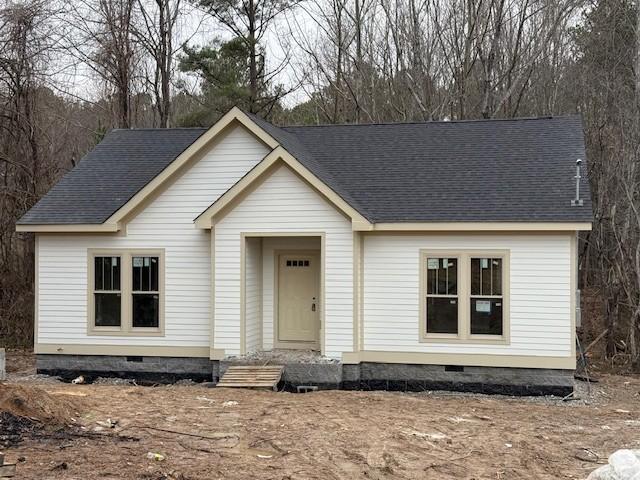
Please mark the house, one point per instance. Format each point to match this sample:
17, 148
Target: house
409, 255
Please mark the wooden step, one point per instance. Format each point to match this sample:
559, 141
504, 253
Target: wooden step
252, 376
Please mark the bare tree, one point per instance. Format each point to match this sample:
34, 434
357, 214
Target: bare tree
156, 33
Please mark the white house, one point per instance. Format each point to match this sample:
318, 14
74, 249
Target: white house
416, 255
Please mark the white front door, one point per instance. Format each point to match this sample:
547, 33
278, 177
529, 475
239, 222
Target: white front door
298, 300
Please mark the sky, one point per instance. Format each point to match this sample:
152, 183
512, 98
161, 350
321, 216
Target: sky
197, 28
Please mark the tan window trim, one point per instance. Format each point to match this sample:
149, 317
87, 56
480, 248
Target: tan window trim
126, 303
464, 295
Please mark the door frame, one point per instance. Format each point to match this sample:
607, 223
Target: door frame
286, 344
243, 300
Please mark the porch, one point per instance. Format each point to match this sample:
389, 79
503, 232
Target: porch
281, 297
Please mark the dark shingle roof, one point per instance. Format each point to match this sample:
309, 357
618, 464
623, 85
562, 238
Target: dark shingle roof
109, 175
517, 170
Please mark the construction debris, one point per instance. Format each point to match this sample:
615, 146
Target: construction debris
6, 469
252, 376
623, 465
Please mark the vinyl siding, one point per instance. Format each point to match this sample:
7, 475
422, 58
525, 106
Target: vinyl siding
167, 222
284, 203
253, 293
540, 297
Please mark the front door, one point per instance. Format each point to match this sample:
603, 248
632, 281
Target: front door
298, 309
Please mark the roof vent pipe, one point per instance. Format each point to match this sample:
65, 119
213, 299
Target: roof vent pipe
577, 202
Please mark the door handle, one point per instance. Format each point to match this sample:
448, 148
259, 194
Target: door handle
313, 305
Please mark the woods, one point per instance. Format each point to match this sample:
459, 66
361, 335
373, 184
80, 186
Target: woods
72, 70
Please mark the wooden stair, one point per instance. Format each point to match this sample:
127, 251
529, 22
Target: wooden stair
252, 376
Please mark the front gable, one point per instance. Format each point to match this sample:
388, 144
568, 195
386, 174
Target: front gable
277, 159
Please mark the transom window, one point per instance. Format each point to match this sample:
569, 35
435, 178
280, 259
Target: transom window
127, 295
297, 263
464, 296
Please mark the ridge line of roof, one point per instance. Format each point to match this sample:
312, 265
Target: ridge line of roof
430, 122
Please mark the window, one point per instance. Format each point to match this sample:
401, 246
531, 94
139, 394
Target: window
128, 292
486, 296
106, 292
464, 296
442, 295
145, 292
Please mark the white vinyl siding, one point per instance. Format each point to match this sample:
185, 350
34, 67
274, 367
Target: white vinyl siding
540, 294
167, 223
253, 293
284, 203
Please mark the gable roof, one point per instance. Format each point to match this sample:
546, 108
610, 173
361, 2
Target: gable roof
109, 175
516, 170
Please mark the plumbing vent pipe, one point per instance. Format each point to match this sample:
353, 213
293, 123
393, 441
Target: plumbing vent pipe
577, 202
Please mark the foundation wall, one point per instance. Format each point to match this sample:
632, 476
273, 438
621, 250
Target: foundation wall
332, 375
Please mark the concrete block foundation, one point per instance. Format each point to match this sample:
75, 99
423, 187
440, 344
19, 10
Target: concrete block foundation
322, 374
153, 369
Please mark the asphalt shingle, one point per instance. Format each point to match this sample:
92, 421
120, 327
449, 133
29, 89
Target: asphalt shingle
516, 170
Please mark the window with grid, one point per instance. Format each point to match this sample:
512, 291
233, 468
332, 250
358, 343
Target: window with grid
145, 292
486, 296
442, 295
107, 293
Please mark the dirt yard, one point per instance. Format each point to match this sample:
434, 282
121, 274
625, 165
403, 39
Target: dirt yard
240, 434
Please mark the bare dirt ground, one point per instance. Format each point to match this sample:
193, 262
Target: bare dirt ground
240, 434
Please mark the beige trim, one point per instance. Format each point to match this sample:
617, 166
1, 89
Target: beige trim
217, 354
464, 359
361, 293
277, 343
573, 249
84, 228
114, 222
126, 322
233, 115
482, 226
266, 167
357, 282
137, 350
36, 289
464, 294
243, 319
212, 313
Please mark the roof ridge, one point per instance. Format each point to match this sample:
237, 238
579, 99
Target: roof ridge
138, 129
429, 122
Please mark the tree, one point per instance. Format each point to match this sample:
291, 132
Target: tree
224, 73
102, 39
249, 21
156, 32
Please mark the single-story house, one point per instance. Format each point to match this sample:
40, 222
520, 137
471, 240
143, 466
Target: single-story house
408, 255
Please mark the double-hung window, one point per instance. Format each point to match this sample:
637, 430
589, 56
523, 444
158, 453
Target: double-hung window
127, 294
442, 295
464, 296
145, 292
107, 295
